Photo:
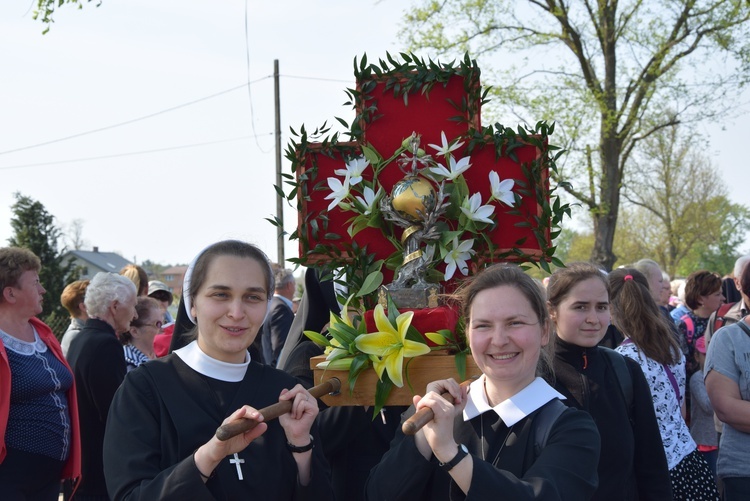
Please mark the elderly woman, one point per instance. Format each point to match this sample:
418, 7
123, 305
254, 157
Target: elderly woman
99, 367
161, 442
509, 437
138, 342
39, 442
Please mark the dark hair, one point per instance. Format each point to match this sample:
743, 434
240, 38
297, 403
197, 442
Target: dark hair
14, 261
745, 281
229, 248
636, 315
700, 283
142, 306
162, 295
72, 296
510, 275
564, 279
138, 276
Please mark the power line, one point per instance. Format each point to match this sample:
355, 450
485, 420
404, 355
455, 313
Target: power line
249, 90
118, 155
144, 117
174, 108
317, 78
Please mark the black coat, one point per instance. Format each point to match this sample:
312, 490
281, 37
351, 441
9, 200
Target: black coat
275, 330
98, 362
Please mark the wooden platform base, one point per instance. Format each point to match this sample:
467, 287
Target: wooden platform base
421, 371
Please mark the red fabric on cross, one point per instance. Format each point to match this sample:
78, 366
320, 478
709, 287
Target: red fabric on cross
426, 114
425, 320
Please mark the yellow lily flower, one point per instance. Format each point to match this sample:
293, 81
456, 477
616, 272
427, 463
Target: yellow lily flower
436, 338
391, 345
334, 350
342, 364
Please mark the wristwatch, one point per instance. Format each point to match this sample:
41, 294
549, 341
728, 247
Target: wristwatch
462, 453
300, 449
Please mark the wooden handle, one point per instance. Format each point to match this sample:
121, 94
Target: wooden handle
424, 415
227, 431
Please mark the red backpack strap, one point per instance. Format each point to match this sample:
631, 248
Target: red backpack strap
723, 310
690, 328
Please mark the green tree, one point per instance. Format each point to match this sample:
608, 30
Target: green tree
34, 228
719, 255
610, 73
678, 207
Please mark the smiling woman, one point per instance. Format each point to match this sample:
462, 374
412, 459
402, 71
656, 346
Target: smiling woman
509, 433
632, 464
179, 401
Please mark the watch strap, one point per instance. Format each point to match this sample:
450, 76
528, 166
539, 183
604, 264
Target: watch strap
304, 448
461, 453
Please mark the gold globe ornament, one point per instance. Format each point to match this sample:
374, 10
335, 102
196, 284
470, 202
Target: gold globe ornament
411, 196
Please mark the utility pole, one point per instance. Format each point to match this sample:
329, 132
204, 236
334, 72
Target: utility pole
279, 200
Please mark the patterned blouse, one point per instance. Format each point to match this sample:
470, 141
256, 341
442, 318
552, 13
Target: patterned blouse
134, 357
675, 434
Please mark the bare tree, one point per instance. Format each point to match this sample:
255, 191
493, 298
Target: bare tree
74, 235
611, 73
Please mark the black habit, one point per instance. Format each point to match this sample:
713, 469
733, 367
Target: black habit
564, 469
165, 410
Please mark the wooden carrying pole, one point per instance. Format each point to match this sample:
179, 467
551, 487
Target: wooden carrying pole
227, 431
424, 415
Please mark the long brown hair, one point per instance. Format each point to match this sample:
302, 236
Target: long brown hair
636, 315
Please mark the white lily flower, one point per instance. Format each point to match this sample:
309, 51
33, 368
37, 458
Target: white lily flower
473, 209
456, 258
456, 168
502, 191
445, 148
339, 191
354, 169
370, 199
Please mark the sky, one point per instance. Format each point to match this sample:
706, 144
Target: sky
135, 117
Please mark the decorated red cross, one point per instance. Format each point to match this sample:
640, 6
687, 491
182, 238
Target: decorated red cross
392, 105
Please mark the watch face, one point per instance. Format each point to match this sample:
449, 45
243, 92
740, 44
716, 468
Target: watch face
463, 448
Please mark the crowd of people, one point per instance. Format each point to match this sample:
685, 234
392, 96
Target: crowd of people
593, 385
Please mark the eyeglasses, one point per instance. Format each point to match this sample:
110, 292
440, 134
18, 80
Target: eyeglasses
156, 324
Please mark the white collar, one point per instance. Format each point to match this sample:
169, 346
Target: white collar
514, 409
285, 300
194, 357
20, 346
